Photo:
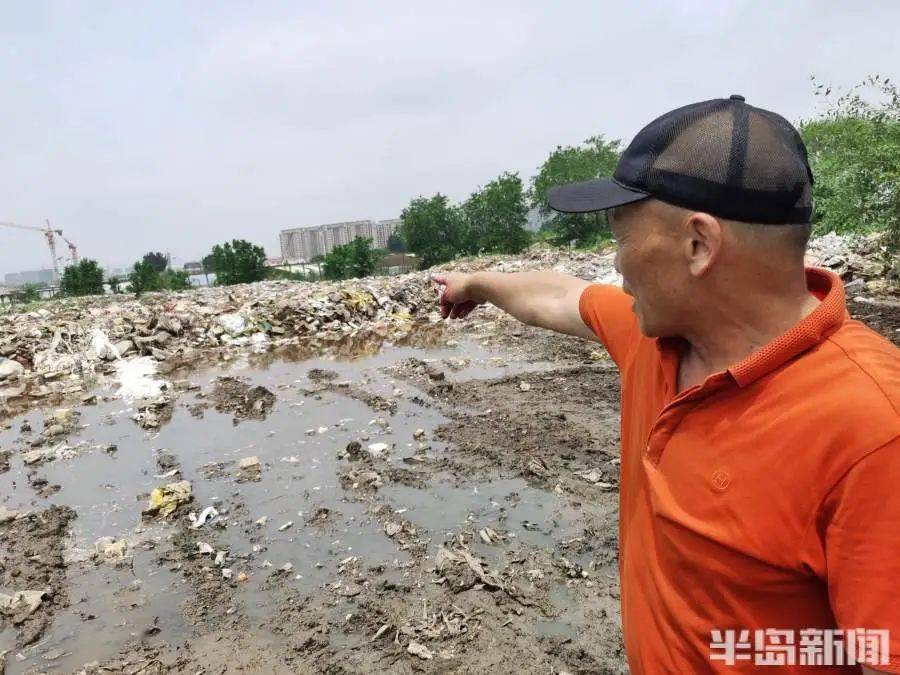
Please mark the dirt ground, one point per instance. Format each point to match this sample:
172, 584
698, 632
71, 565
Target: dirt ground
458, 503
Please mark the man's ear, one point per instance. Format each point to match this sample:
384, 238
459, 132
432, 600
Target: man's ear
702, 243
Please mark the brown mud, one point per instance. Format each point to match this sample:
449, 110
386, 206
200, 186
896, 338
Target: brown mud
445, 503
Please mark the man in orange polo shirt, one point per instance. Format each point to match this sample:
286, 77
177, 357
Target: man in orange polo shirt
759, 505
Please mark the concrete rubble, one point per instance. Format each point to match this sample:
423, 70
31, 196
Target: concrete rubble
54, 350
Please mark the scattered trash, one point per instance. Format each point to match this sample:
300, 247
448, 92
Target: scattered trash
262, 521
234, 324
381, 631
136, 379
227, 573
205, 549
378, 449
288, 525
199, 521
165, 500
242, 576
168, 474
420, 650
524, 386
594, 476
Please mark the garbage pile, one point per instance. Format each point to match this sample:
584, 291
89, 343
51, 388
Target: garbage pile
58, 349
862, 261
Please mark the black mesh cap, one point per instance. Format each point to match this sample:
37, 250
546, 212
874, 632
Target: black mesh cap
723, 157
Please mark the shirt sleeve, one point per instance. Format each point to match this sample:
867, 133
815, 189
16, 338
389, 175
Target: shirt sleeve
862, 549
606, 310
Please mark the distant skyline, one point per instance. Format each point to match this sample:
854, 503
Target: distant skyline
174, 126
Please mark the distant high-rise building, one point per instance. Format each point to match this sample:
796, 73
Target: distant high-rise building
29, 277
304, 243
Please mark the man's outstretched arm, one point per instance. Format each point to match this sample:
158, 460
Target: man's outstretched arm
544, 299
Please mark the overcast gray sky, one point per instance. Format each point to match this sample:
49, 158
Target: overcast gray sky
176, 125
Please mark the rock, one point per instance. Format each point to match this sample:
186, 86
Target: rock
165, 500
54, 430
21, 602
124, 347
100, 347
8, 515
250, 464
420, 650
233, 324
10, 369
41, 455
392, 529
851, 288
524, 386
111, 550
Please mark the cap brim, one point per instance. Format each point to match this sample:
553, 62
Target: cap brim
592, 195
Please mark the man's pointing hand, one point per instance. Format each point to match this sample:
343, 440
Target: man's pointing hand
456, 294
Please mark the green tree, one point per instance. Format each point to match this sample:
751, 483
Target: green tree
594, 158
495, 217
395, 243
30, 293
82, 278
144, 278
174, 280
854, 152
159, 261
433, 229
238, 262
351, 261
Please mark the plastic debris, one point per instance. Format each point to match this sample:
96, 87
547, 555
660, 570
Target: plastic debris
205, 549
234, 324
199, 521
288, 525
164, 500
378, 449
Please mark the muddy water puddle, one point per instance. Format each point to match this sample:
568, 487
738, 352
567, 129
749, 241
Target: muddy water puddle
294, 518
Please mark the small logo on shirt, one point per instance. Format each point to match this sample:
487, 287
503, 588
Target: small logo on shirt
721, 479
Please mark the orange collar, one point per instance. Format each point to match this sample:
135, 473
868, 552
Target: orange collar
813, 329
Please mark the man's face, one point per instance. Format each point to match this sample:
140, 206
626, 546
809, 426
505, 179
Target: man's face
651, 264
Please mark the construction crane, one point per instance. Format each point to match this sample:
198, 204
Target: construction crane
50, 234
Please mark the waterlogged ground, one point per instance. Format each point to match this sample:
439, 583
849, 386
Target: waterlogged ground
446, 507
